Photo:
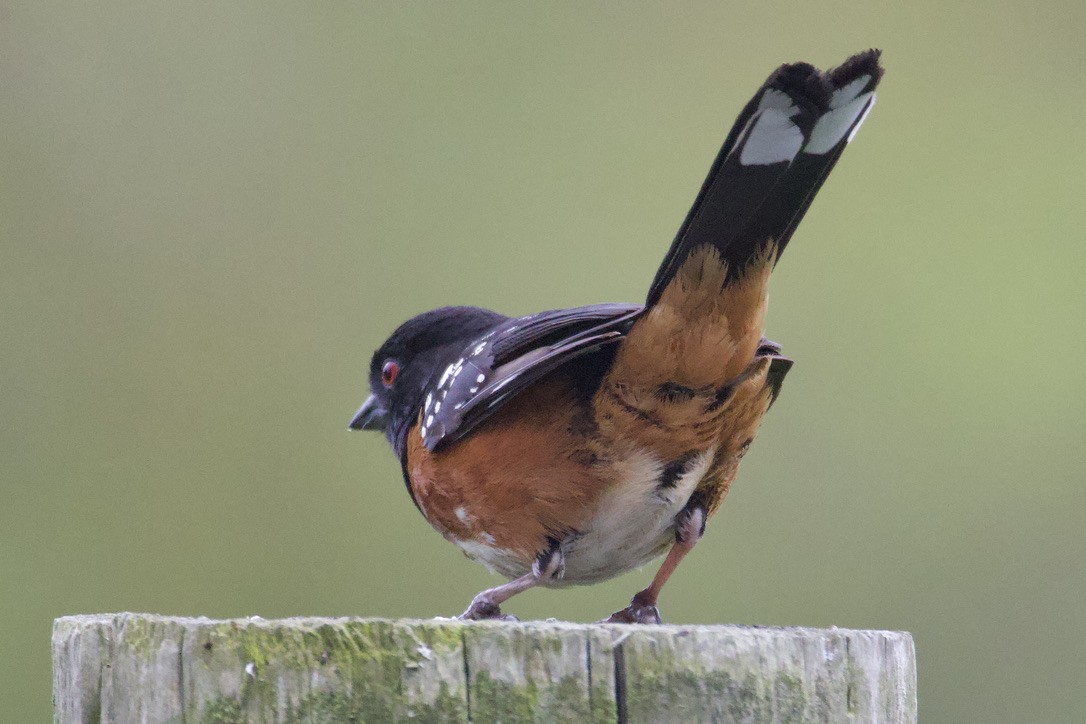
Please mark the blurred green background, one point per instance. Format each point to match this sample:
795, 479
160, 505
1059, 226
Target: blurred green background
213, 212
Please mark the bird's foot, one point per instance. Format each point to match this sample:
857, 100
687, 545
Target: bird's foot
634, 614
640, 610
483, 609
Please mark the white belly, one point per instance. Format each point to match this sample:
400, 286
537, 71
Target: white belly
634, 521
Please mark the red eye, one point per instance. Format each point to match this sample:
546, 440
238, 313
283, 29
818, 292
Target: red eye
389, 372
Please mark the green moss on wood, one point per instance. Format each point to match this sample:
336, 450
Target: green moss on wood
565, 700
369, 667
335, 707
659, 685
602, 707
493, 700
568, 701
655, 689
791, 699
143, 636
222, 711
326, 708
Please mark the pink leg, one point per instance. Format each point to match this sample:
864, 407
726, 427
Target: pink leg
487, 605
642, 608
548, 566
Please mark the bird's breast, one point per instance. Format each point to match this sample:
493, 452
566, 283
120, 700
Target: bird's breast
535, 474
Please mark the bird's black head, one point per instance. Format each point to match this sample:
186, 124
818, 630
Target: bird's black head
403, 368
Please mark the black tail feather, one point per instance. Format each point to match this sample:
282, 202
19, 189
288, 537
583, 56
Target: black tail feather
775, 158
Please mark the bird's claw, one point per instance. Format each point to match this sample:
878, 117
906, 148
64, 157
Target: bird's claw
483, 610
635, 613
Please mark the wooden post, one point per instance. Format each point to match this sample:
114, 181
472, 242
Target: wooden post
143, 668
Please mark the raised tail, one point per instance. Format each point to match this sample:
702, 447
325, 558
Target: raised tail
694, 370
774, 160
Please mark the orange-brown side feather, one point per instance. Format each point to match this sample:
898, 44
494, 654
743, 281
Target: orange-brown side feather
524, 475
665, 391
746, 409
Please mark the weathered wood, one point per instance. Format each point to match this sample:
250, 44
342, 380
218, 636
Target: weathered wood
144, 668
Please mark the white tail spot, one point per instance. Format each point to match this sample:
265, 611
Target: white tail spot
860, 122
843, 95
778, 99
832, 126
772, 138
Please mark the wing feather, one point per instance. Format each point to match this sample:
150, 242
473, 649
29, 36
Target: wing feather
496, 367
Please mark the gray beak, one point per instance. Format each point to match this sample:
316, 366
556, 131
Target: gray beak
371, 416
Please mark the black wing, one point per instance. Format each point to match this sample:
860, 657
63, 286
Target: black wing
494, 368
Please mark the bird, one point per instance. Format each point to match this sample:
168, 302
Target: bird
570, 446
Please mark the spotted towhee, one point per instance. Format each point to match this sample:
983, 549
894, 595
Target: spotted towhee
570, 446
